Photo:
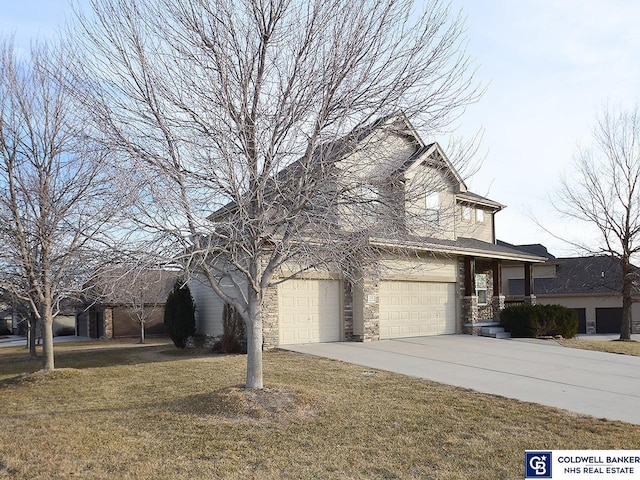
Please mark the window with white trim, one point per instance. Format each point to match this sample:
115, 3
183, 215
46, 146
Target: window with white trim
432, 206
481, 288
479, 215
466, 213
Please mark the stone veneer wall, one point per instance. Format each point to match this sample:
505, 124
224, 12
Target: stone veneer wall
468, 304
485, 312
470, 315
108, 323
371, 299
270, 324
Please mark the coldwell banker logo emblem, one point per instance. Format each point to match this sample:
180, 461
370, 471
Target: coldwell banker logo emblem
537, 464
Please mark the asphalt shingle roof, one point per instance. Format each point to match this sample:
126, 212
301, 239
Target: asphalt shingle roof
578, 275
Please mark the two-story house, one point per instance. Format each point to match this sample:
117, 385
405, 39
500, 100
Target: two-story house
443, 277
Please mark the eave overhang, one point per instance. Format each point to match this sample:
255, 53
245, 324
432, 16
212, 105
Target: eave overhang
462, 247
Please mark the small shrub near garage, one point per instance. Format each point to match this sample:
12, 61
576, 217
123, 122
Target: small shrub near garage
233, 339
179, 314
532, 321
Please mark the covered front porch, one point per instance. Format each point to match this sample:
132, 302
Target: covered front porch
482, 287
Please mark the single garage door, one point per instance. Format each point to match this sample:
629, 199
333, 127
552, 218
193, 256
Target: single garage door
608, 320
309, 311
414, 309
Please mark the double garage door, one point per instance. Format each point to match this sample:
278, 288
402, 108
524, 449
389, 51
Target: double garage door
310, 310
416, 309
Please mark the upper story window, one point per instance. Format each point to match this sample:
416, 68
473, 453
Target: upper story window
370, 201
479, 215
466, 213
433, 208
369, 193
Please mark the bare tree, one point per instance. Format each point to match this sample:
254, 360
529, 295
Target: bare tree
262, 116
140, 290
54, 193
604, 191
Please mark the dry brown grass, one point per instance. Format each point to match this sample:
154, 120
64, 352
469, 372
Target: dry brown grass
123, 411
628, 347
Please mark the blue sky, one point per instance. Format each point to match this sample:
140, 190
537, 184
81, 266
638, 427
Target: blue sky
550, 67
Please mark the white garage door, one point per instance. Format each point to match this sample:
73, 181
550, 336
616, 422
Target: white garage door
309, 311
414, 309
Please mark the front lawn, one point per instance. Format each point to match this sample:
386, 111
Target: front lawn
120, 410
630, 347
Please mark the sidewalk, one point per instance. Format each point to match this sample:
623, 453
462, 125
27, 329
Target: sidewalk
19, 340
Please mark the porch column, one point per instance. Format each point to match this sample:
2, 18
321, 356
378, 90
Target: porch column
108, 323
469, 276
470, 299
498, 297
529, 297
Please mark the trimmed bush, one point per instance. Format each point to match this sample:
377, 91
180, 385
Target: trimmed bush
180, 315
532, 321
233, 336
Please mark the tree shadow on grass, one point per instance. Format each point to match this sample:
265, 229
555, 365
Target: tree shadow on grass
103, 354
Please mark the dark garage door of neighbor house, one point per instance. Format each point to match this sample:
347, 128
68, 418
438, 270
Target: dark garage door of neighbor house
582, 319
608, 320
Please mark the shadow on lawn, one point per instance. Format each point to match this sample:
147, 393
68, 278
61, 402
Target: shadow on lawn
96, 355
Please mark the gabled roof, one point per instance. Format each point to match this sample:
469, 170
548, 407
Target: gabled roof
335, 150
434, 151
475, 199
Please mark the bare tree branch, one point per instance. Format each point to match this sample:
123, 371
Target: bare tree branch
264, 139
605, 192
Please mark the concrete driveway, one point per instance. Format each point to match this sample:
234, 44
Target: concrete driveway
604, 385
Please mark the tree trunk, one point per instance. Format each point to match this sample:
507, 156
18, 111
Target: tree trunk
31, 338
47, 343
141, 332
627, 288
46, 317
254, 344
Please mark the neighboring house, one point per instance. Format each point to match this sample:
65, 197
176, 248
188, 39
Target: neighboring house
590, 285
64, 323
13, 318
114, 304
450, 282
